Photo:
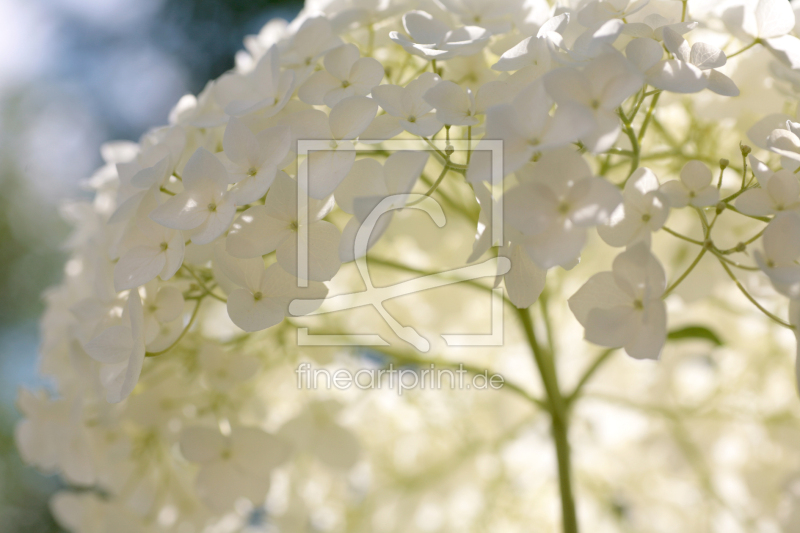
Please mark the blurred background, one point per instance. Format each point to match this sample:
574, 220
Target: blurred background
73, 75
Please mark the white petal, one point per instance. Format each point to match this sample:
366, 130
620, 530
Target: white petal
599, 292
650, 337
638, 272
201, 445
676, 76
184, 211
390, 98
340, 60
174, 254
364, 179
676, 44
323, 252
676, 192
256, 233
644, 53
204, 170
613, 327
785, 143
451, 103
169, 304
557, 246
402, 169
216, 223
366, 74
315, 88
113, 345
252, 314
696, 175
240, 144
705, 56
706, 197
326, 170
759, 132
384, 127
786, 49
138, 266
774, 18
721, 84
257, 452
351, 116
525, 281
423, 28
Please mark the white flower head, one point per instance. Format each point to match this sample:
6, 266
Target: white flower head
232, 466
274, 227
781, 250
624, 308
694, 188
406, 109
644, 210
554, 208
252, 160
347, 120
121, 349
346, 74
431, 38
205, 208
265, 90
779, 192
599, 89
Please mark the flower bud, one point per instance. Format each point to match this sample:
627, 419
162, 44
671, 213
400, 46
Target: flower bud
745, 149
723, 163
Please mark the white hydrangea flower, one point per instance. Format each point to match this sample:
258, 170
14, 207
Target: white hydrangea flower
274, 227
261, 297
644, 209
781, 250
204, 208
346, 74
121, 349
599, 89
430, 38
535, 52
406, 109
252, 160
526, 127
623, 308
265, 90
694, 188
554, 207
347, 120
779, 192
232, 466
596, 12
456, 107
367, 184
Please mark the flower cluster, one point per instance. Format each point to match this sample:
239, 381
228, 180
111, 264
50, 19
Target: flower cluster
171, 338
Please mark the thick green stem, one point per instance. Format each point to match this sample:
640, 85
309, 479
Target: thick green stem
560, 423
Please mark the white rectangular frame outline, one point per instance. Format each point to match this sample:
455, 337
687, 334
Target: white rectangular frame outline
304, 338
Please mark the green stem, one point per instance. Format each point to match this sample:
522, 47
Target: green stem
749, 297
746, 48
433, 188
681, 236
595, 366
560, 423
686, 273
649, 115
185, 330
635, 147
